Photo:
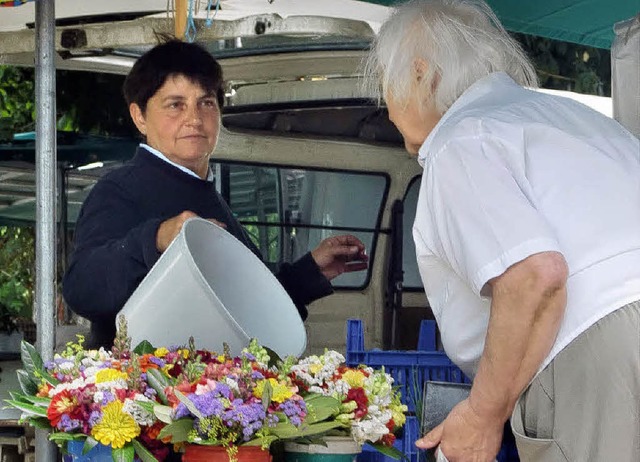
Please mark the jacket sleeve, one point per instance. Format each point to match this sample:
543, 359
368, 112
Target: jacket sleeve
304, 282
114, 250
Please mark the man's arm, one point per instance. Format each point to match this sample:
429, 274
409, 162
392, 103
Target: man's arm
528, 302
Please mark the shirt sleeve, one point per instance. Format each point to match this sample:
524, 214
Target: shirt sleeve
113, 251
304, 282
481, 216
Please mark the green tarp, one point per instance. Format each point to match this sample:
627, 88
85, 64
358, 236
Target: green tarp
589, 22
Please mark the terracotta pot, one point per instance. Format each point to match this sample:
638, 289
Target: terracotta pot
196, 453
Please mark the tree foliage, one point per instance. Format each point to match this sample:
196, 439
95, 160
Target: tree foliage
17, 105
569, 66
17, 266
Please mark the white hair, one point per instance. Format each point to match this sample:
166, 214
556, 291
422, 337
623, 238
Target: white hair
461, 41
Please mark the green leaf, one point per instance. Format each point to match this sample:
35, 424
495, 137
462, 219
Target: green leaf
31, 360
321, 407
89, 444
37, 400
33, 364
40, 422
124, 454
389, 451
163, 413
267, 393
27, 385
178, 430
274, 359
262, 441
60, 437
189, 404
143, 453
286, 430
28, 408
158, 382
144, 348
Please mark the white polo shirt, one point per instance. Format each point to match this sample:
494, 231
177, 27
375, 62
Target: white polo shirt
509, 172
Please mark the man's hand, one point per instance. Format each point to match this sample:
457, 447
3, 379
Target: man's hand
340, 254
169, 229
466, 436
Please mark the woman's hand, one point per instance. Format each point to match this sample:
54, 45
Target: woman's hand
169, 229
340, 254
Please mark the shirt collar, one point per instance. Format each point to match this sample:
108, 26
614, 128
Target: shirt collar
477, 90
159, 155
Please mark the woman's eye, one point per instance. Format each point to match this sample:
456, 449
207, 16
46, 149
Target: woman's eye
209, 103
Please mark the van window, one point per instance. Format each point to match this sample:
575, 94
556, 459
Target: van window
411, 276
288, 211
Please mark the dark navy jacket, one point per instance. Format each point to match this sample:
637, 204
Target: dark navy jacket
115, 239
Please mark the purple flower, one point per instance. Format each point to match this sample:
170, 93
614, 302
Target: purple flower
208, 404
67, 424
107, 397
223, 390
94, 418
248, 356
181, 411
257, 375
157, 361
294, 410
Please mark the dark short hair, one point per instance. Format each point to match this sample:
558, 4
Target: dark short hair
172, 58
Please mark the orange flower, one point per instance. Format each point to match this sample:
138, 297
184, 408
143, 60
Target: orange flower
43, 392
62, 403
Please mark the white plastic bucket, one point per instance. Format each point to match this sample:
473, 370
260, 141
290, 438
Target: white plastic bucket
209, 285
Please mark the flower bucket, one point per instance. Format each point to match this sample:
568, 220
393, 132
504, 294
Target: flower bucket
338, 449
196, 453
99, 453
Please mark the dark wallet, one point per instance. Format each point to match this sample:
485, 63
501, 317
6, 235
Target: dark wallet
438, 398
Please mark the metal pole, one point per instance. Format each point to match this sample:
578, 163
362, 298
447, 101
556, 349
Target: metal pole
45, 197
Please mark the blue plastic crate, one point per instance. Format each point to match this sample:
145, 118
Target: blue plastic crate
410, 369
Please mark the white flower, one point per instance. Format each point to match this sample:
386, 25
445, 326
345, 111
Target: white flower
74, 385
368, 430
139, 414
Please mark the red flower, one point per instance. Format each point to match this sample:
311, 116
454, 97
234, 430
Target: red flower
360, 397
61, 404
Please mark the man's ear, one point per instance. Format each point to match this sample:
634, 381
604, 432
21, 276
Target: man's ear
419, 69
138, 118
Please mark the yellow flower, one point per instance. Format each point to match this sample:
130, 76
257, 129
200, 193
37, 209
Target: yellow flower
315, 368
355, 379
116, 426
279, 393
161, 352
109, 375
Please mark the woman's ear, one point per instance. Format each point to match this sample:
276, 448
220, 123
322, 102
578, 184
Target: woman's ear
138, 118
419, 69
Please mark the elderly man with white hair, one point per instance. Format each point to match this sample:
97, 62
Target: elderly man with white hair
527, 235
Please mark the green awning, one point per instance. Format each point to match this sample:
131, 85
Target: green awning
588, 22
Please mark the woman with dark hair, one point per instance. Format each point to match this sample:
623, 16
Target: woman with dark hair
175, 94
527, 236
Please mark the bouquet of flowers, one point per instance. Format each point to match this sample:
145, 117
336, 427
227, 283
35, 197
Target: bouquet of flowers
228, 401
370, 407
140, 402
95, 396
